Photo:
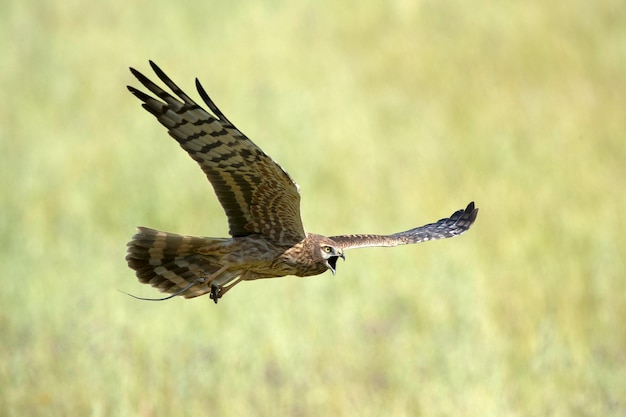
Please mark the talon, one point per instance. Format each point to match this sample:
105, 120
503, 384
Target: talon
216, 293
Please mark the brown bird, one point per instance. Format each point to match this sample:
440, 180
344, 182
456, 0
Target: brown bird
262, 204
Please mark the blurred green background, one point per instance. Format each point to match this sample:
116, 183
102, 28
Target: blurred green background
389, 114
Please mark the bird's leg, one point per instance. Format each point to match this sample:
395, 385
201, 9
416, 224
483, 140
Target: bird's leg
218, 291
225, 289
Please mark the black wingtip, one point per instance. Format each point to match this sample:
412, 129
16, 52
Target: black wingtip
212, 106
142, 78
133, 90
158, 71
473, 212
138, 74
203, 93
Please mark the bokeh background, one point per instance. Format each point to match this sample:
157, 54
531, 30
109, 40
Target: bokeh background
389, 114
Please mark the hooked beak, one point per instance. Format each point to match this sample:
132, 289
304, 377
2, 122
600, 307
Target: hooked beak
332, 262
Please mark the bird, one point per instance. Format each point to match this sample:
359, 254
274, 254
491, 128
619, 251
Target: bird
261, 202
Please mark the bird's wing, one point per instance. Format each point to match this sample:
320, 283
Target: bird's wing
458, 223
257, 195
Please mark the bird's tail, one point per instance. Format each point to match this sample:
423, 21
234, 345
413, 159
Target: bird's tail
171, 263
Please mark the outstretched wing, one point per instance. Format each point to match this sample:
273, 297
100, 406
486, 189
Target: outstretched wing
458, 223
257, 195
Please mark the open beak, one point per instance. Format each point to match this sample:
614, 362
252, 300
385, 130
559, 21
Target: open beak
332, 262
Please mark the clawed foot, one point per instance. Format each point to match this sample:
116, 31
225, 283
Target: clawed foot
216, 292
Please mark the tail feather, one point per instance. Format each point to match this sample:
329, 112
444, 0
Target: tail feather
169, 262
147, 242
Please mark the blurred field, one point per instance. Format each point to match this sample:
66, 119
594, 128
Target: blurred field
389, 115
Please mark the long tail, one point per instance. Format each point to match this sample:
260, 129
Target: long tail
170, 262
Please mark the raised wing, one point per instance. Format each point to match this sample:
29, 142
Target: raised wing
257, 195
458, 223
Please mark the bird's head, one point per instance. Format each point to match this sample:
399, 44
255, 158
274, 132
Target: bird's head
330, 252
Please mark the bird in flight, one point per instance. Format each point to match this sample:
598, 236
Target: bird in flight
262, 204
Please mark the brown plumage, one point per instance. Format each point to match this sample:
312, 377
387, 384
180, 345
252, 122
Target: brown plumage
262, 204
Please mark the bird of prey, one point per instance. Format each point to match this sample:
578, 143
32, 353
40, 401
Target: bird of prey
262, 204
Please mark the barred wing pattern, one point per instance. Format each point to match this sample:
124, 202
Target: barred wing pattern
458, 223
262, 204
258, 196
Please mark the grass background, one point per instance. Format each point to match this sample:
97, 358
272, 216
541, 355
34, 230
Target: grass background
389, 114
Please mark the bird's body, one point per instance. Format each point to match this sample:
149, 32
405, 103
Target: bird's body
169, 261
262, 204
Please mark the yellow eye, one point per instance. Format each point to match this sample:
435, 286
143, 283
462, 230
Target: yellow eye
327, 249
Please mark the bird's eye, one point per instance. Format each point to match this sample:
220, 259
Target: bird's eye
327, 249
